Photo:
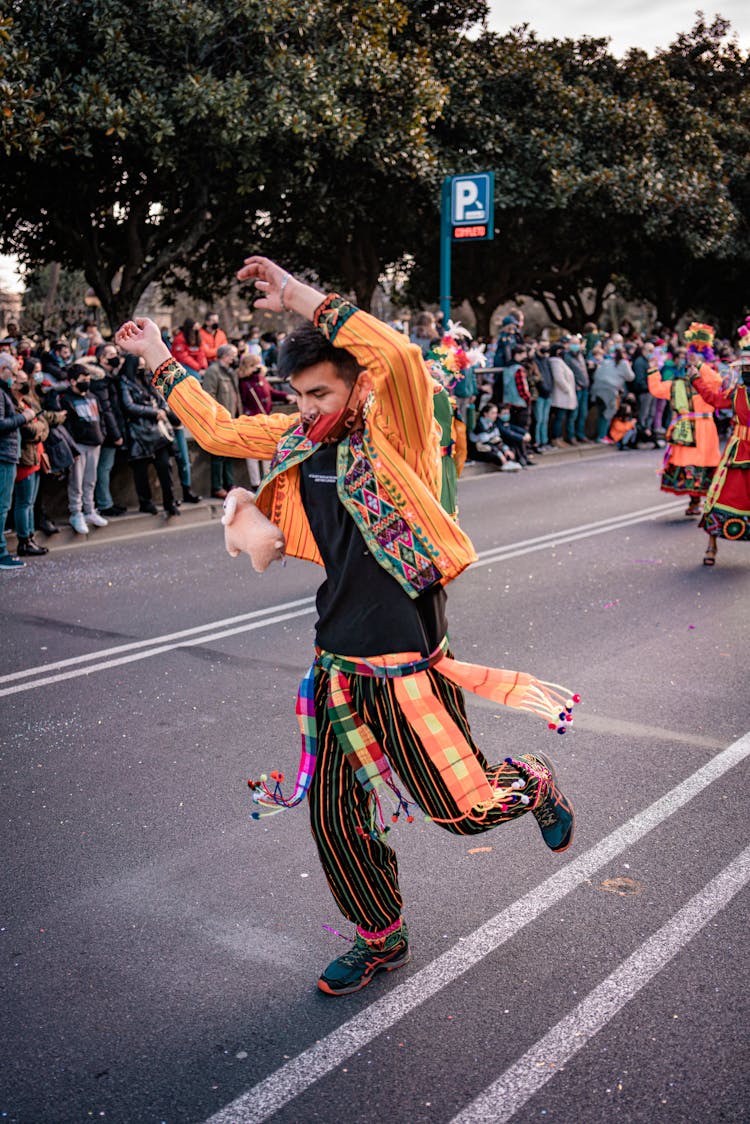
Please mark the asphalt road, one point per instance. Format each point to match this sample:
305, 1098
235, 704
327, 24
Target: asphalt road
160, 949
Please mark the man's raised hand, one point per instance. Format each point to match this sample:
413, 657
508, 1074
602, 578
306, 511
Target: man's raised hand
135, 335
268, 278
142, 337
279, 291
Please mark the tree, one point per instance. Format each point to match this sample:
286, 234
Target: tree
54, 297
592, 171
156, 141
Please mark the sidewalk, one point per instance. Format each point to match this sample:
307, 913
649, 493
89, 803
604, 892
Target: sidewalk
131, 525
135, 525
546, 459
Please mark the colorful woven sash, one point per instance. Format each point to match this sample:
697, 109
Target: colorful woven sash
428, 718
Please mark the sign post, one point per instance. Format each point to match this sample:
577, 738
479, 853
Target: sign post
466, 214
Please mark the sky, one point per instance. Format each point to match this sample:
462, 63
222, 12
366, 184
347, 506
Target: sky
628, 23
10, 282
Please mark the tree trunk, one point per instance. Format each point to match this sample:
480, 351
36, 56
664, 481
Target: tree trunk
118, 307
51, 295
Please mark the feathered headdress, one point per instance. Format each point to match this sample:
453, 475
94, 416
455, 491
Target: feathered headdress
700, 339
444, 365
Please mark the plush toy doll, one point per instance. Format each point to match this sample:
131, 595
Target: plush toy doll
247, 529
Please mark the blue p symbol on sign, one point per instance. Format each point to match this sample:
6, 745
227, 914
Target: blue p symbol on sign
470, 199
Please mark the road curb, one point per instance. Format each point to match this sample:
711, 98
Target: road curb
137, 524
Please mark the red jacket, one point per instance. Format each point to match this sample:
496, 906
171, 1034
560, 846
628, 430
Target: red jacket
211, 343
194, 357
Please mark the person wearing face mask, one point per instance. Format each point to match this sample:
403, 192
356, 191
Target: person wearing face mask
212, 337
355, 486
12, 418
83, 422
187, 348
221, 381
572, 355
486, 443
54, 418
28, 471
57, 360
181, 455
149, 437
104, 386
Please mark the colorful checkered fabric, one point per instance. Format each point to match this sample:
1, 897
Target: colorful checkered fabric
445, 744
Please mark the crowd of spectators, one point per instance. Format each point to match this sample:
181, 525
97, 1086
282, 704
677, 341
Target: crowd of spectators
69, 406
521, 396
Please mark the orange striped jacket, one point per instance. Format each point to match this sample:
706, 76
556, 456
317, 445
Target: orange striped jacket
401, 436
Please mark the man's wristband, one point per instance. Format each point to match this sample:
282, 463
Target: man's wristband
284, 282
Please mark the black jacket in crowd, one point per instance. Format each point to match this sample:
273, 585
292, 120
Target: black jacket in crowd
83, 421
545, 370
140, 406
10, 424
105, 389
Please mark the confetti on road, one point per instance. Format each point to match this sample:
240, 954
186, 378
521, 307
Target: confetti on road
621, 886
478, 850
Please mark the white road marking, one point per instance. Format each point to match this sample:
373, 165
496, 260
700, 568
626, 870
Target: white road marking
297, 1075
75, 673
499, 1103
157, 645
103, 653
560, 538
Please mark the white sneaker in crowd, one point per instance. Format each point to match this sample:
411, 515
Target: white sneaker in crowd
511, 466
95, 519
78, 523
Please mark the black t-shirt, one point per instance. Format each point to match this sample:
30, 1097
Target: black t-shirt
362, 609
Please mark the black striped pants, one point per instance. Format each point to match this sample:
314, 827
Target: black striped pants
363, 872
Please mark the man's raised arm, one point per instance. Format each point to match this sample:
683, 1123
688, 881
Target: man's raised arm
402, 385
213, 427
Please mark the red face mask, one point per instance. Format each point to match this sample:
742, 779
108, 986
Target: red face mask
332, 427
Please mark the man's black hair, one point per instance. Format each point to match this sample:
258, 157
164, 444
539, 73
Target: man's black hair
305, 347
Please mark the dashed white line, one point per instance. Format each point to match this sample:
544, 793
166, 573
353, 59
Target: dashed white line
134, 645
75, 673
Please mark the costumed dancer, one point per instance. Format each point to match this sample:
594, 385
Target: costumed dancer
447, 362
726, 513
692, 438
354, 485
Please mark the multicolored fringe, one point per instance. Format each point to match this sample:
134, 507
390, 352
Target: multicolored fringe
473, 791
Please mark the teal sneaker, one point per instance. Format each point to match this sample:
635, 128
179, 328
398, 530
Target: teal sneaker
554, 812
354, 970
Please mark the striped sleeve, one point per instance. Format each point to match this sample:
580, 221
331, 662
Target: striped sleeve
218, 432
403, 386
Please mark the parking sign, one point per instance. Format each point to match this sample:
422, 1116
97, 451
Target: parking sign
472, 206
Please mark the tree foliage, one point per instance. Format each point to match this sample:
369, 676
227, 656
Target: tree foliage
161, 140
149, 136
604, 169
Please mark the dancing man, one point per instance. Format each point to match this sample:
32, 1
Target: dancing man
354, 485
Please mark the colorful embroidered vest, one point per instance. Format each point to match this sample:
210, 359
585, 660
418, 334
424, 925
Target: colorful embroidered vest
397, 547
